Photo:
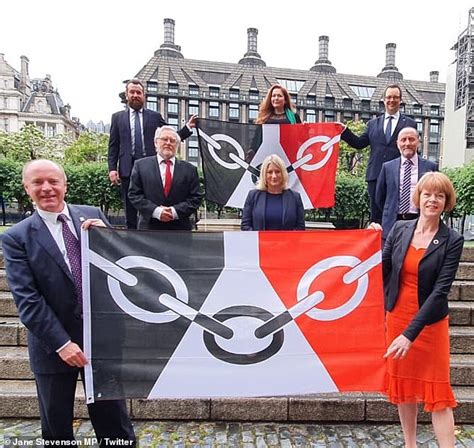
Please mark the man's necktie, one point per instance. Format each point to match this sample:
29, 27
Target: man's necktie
168, 177
388, 129
406, 187
73, 249
138, 150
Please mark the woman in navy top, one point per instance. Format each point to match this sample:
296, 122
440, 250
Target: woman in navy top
272, 205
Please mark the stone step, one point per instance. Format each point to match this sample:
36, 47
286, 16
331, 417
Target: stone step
462, 290
7, 304
465, 271
461, 313
462, 340
18, 400
468, 253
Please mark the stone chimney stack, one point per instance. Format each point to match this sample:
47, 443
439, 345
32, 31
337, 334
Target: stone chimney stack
25, 75
390, 70
323, 64
434, 76
169, 48
169, 31
252, 57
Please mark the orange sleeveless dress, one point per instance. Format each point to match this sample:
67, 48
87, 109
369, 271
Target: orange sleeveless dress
423, 375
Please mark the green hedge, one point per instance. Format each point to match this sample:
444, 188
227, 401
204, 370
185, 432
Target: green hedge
88, 183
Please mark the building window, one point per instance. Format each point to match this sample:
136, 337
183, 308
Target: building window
433, 152
51, 130
365, 105
311, 100
173, 106
172, 88
419, 126
152, 103
193, 149
253, 112
234, 94
234, 111
434, 110
213, 109
365, 117
193, 108
254, 95
348, 115
291, 85
417, 109
311, 116
363, 92
329, 101
152, 86
193, 90
347, 103
4, 124
294, 98
434, 131
381, 106
173, 121
214, 92
328, 116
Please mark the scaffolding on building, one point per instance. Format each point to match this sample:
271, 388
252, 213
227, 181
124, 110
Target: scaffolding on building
465, 76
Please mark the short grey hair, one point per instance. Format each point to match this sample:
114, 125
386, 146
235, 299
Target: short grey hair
168, 128
31, 163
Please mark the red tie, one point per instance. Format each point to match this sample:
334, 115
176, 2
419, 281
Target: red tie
168, 177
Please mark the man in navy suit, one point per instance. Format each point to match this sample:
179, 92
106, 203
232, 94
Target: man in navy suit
165, 190
132, 133
42, 256
381, 134
389, 190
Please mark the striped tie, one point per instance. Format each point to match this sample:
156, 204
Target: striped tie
406, 187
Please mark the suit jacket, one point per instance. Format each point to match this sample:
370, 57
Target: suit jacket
43, 288
380, 150
120, 142
387, 194
436, 272
253, 213
146, 193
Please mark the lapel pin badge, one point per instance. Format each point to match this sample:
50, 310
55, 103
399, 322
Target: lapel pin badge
435, 241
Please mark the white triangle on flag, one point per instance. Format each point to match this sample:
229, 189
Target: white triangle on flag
193, 371
270, 145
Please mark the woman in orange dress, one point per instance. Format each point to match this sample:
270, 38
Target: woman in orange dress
420, 260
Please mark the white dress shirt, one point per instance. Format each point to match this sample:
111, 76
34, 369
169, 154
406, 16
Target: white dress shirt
131, 117
395, 118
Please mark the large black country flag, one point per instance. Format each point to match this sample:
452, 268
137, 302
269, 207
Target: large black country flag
232, 154
233, 314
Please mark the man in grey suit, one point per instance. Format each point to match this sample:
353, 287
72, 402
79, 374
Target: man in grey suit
42, 258
395, 201
381, 134
165, 190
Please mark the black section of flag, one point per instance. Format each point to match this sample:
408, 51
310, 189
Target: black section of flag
221, 181
129, 354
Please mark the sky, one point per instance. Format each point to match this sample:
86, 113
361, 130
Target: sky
90, 47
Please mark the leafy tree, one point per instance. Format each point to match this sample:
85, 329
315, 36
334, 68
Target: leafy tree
353, 161
89, 147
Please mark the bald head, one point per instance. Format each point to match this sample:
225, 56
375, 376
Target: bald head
45, 183
408, 142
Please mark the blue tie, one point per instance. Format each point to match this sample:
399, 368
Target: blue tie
388, 129
138, 150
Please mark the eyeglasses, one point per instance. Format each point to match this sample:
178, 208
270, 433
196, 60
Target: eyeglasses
167, 139
392, 97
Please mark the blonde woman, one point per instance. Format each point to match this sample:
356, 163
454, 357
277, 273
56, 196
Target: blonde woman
272, 205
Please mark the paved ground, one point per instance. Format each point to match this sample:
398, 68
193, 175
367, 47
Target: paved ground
245, 435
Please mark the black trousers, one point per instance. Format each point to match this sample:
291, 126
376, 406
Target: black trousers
56, 393
375, 212
131, 214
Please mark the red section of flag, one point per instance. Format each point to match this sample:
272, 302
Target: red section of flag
318, 175
352, 346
